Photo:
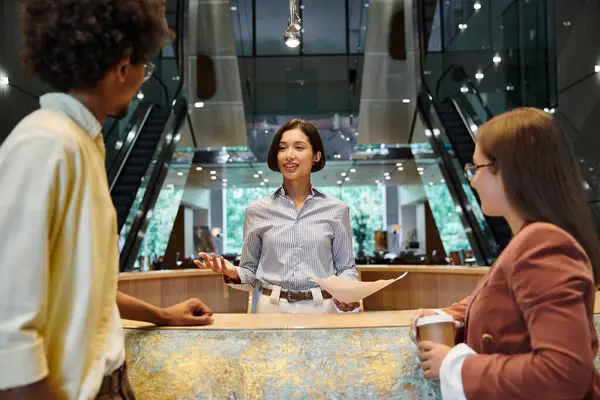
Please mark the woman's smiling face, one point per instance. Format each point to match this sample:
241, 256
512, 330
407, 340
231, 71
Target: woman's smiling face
295, 157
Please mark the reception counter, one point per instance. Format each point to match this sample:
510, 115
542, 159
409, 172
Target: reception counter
261, 356
423, 287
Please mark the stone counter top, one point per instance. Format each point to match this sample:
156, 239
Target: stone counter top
281, 356
307, 363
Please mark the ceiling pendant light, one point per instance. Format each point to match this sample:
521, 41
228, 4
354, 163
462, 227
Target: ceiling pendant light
293, 33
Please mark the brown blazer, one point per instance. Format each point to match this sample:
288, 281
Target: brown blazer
530, 320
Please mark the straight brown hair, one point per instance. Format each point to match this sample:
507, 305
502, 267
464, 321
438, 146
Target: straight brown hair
541, 177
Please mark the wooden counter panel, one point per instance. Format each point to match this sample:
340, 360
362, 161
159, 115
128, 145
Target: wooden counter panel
141, 276
171, 290
417, 289
426, 269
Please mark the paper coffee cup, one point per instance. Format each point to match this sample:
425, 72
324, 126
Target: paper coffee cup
437, 328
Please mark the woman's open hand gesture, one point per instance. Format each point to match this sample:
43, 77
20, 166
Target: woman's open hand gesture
218, 265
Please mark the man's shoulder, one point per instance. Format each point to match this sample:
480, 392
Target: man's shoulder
43, 128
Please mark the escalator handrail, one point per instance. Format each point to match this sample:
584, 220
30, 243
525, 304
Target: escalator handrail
164, 88
463, 72
111, 130
142, 114
140, 222
464, 119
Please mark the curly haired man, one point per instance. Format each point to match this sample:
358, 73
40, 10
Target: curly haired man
60, 330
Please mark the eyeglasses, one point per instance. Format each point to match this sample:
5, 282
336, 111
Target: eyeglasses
148, 70
471, 170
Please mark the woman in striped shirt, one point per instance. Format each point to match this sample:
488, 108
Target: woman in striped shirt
293, 234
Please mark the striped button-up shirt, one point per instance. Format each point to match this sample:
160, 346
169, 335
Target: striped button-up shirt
285, 247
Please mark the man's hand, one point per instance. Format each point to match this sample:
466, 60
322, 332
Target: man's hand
189, 312
432, 355
346, 307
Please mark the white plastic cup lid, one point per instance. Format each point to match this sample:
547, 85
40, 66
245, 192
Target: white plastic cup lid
434, 319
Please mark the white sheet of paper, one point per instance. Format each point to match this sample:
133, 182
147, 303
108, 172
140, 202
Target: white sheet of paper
352, 291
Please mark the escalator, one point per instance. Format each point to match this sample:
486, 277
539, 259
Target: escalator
127, 181
141, 147
462, 140
138, 159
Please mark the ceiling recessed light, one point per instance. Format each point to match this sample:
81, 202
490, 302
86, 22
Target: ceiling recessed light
462, 27
214, 178
387, 178
387, 174
378, 181
4, 80
224, 184
420, 172
400, 168
352, 170
347, 178
255, 175
420, 169
224, 180
442, 181
233, 8
406, 101
213, 172
199, 104
477, 6
347, 139
398, 164
180, 173
262, 184
474, 128
266, 180
260, 172
479, 76
140, 96
430, 183
596, 69
464, 89
497, 59
339, 182
198, 168
343, 174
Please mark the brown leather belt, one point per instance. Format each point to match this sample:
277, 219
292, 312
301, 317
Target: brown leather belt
292, 297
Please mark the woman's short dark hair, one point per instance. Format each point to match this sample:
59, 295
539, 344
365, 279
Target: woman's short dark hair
71, 44
313, 137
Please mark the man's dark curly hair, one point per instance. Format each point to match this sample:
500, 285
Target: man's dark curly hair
71, 44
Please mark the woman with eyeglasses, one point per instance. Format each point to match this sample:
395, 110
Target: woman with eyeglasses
527, 330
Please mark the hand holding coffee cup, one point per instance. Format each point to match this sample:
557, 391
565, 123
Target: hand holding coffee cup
437, 328
424, 312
